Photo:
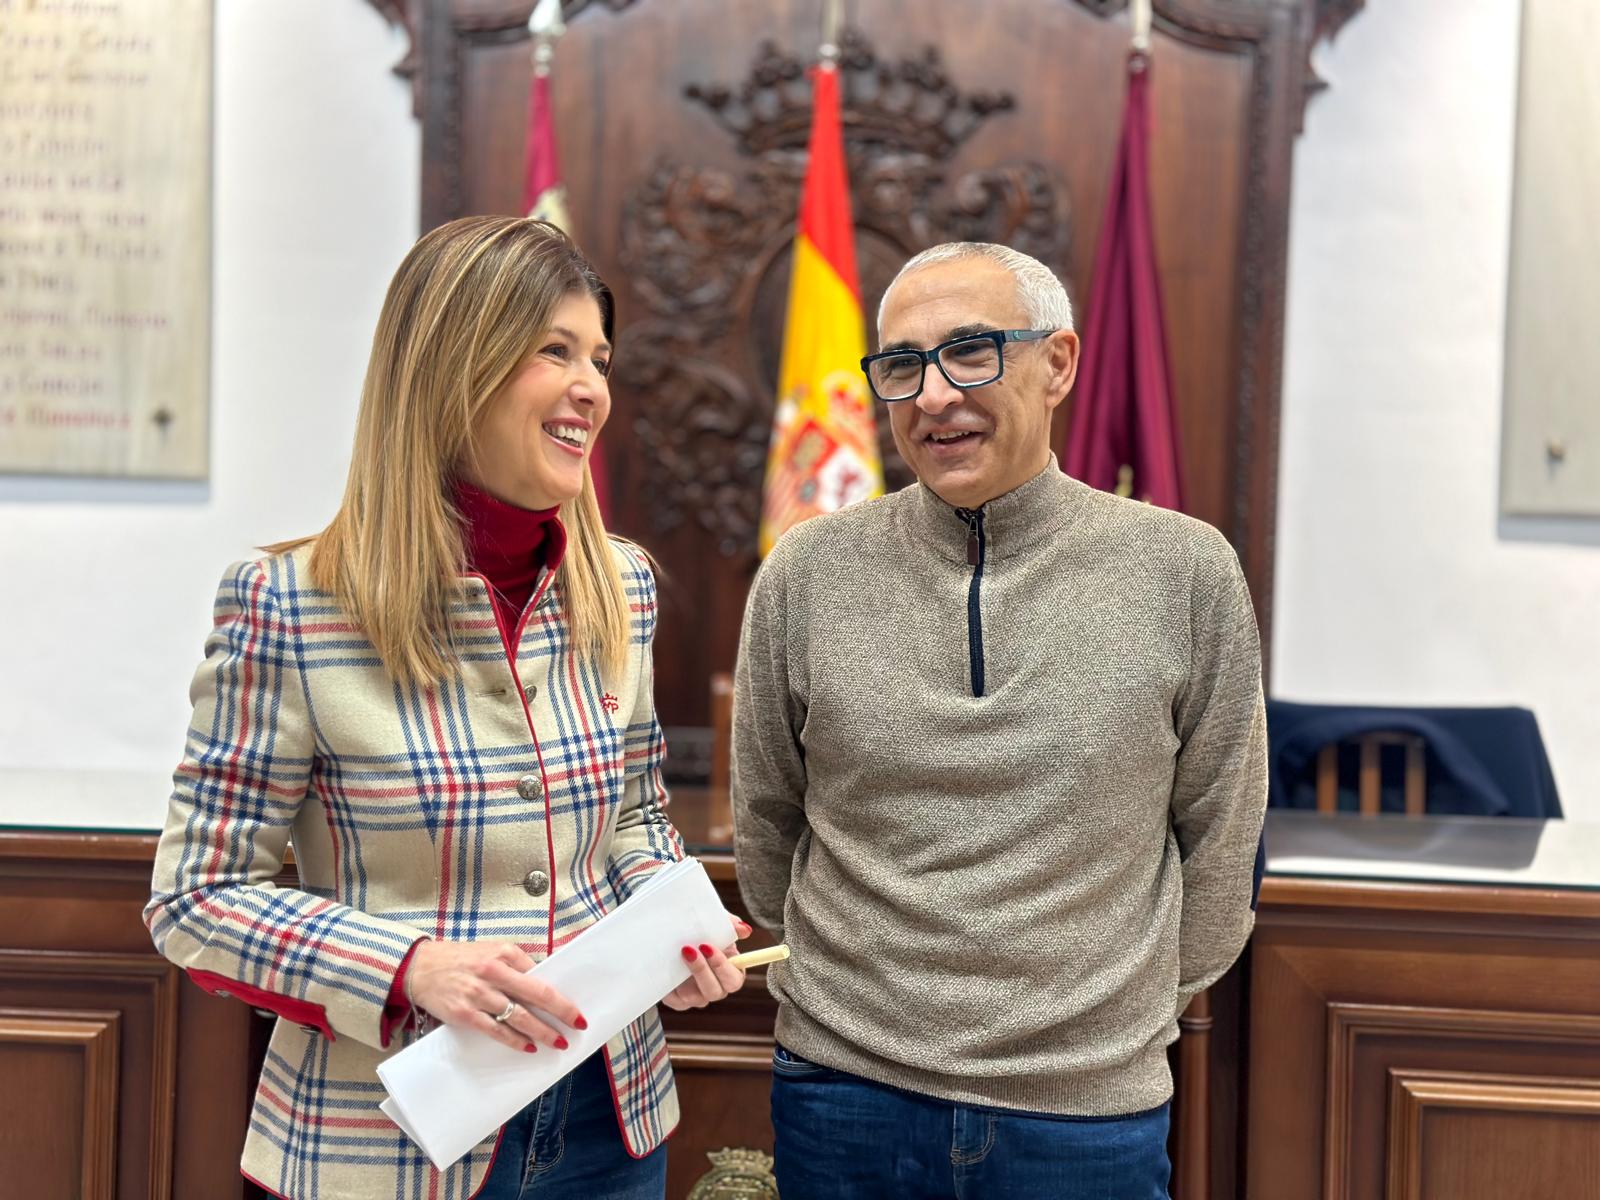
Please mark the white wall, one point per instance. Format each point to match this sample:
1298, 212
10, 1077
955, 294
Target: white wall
1397, 582
106, 587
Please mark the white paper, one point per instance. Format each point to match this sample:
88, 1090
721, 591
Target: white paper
454, 1087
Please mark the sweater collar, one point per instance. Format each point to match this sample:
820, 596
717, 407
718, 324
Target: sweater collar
506, 544
1012, 523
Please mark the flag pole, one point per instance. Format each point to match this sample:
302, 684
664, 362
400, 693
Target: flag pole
1140, 16
831, 14
544, 27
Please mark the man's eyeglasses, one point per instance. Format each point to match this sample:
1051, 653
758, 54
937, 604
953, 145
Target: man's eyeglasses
969, 361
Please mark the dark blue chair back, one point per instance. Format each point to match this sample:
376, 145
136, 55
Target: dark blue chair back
1480, 761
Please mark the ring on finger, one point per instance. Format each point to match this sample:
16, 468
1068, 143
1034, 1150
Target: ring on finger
503, 1017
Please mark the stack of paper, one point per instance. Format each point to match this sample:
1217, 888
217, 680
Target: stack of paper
454, 1087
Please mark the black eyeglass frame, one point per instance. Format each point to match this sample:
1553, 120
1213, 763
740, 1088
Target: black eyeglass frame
998, 336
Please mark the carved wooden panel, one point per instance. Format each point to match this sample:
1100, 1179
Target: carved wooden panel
1351, 983
682, 128
59, 1106
141, 993
1455, 1136
701, 244
1370, 1045
71, 941
722, 1057
723, 1082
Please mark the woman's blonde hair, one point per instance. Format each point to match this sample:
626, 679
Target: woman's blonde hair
465, 308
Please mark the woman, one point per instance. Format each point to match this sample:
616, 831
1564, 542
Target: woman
444, 701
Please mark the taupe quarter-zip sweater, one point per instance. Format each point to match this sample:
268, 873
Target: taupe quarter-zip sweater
998, 780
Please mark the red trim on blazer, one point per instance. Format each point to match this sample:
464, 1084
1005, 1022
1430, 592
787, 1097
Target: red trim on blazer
261, 1185
301, 1012
616, 1105
527, 714
397, 1008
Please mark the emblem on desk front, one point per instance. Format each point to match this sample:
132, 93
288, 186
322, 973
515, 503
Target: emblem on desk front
739, 1174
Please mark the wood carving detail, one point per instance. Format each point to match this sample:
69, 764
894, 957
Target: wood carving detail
700, 244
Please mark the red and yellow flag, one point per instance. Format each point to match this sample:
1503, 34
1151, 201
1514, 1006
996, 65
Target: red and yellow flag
824, 452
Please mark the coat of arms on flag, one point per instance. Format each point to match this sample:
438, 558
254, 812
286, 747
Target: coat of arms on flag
824, 450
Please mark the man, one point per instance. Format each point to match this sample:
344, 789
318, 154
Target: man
998, 775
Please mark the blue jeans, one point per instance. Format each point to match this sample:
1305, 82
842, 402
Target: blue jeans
566, 1146
841, 1137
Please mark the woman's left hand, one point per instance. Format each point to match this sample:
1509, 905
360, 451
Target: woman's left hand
711, 976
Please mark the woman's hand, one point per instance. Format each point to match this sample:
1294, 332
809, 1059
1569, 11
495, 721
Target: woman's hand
711, 976
470, 984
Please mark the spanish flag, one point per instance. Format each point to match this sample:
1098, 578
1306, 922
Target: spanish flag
824, 452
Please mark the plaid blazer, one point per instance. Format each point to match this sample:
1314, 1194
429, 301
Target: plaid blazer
413, 812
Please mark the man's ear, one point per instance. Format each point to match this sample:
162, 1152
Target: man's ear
1062, 348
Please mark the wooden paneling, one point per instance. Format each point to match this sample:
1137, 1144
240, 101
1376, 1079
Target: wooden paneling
165, 1076
722, 1057
60, 1131
1513, 1137
1378, 1037
723, 1085
1354, 985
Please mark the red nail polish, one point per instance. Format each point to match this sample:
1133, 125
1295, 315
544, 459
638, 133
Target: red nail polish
530, 1048
706, 950
560, 1043
745, 930
689, 954
580, 1023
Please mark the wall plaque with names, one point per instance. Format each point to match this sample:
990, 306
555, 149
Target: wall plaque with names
1550, 444
105, 237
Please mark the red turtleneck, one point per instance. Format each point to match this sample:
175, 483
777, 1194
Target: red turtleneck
508, 546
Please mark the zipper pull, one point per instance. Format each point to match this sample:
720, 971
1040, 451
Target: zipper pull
971, 518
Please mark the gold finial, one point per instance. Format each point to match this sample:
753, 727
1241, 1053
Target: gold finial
1124, 481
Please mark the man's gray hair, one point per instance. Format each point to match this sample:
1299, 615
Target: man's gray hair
1043, 298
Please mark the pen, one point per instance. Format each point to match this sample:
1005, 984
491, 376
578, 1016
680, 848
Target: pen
760, 958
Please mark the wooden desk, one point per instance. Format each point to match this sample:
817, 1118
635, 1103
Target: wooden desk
1384, 1037
1434, 1038
121, 1078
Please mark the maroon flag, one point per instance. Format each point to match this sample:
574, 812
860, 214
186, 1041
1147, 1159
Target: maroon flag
543, 194
1123, 436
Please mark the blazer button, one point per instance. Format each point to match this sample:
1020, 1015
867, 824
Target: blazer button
536, 883
529, 692
529, 788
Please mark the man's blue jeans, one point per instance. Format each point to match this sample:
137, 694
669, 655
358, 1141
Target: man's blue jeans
841, 1137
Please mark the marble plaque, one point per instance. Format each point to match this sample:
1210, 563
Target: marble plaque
105, 236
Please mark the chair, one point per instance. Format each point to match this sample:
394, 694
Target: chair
1370, 747
1463, 761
